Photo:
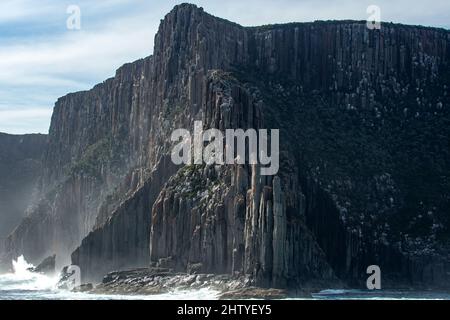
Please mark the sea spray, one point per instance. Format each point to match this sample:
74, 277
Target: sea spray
23, 279
23, 284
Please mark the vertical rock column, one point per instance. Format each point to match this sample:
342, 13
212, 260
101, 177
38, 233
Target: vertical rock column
251, 224
239, 212
264, 277
279, 234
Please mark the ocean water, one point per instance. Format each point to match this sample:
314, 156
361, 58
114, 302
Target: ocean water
22, 284
333, 294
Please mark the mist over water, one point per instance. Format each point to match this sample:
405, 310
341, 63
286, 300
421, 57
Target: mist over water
23, 279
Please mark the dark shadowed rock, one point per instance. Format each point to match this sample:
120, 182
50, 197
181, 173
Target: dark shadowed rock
159, 280
47, 266
84, 288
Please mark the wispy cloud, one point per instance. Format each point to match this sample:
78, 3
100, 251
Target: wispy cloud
37, 70
19, 10
14, 115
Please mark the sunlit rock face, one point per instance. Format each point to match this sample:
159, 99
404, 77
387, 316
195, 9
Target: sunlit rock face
364, 173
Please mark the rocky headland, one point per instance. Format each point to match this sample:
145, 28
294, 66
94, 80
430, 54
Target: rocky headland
364, 179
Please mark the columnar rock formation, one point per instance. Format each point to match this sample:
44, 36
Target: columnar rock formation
363, 177
20, 167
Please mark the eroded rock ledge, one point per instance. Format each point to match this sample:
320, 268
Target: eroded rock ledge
149, 281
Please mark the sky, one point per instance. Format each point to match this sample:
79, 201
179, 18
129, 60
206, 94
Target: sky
41, 59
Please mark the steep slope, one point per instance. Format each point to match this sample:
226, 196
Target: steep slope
95, 143
363, 179
20, 166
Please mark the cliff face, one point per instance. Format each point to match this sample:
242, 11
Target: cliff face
363, 179
230, 219
20, 166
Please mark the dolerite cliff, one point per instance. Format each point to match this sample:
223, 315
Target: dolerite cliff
364, 164
20, 168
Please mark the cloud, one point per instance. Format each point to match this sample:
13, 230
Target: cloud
38, 71
14, 115
34, 120
85, 54
260, 12
14, 10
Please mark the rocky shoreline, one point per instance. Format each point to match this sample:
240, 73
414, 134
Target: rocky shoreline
155, 281
152, 281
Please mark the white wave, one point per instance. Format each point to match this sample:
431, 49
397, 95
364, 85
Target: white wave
26, 285
23, 279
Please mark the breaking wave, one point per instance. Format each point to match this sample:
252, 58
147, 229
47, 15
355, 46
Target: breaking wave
22, 284
23, 279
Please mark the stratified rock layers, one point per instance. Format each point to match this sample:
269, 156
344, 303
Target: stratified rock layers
360, 112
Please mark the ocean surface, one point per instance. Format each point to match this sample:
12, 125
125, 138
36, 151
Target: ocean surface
25, 285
